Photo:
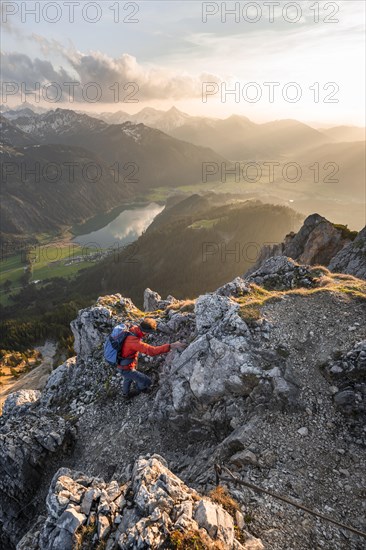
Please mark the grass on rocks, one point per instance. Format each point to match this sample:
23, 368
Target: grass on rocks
221, 496
183, 306
192, 540
84, 537
346, 232
325, 281
118, 308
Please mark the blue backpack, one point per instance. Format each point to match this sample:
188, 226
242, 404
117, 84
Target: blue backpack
113, 346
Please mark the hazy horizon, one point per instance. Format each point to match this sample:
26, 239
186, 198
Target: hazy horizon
81, 107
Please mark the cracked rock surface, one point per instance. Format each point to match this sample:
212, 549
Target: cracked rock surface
145, 512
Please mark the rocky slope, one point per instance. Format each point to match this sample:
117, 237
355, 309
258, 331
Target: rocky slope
153, 510
321, 242
271, 384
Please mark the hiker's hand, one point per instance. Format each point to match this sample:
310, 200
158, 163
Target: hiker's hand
178, 345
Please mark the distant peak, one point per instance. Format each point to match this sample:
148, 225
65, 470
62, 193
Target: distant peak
147, 110
240, 118
174, 111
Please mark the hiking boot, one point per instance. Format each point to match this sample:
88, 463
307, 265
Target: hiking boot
131, 393
147, 390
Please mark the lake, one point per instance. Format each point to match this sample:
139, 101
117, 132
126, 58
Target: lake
125, 228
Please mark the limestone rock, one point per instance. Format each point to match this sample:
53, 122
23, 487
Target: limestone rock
217, 522
88, 329
70, 520
159, 504
151, 300
20, 398
283, 273
244, 457
238, 287
316, 242
210, 309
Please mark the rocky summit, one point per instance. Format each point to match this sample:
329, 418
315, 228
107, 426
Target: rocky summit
271, 385
321, 242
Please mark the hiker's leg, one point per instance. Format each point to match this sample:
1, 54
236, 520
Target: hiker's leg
127, 381
142, 380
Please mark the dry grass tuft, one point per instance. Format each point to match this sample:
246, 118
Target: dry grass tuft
320, 269
251, 303
192, 540
338, 283
345, 277
221, 496
182, 306
325, 281
84, 537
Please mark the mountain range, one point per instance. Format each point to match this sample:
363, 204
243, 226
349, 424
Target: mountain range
154, 149
237, 137
40, 194
159, 158
127, 159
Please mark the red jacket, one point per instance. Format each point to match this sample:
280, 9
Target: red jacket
133, 345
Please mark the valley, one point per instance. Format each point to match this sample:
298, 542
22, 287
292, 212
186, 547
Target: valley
31, 374
80, 248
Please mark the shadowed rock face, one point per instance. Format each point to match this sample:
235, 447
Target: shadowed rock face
28, 439
352, 258
316, 242
145, 512
348, 376
320, 242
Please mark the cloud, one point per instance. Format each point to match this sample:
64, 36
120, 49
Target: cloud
172, 52
151, 81
49, 47
25, 72
155, 82
7, 25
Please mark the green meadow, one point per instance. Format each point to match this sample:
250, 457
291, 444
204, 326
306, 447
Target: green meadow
47, 261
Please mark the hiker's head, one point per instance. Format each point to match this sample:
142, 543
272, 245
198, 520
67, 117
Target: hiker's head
148, 325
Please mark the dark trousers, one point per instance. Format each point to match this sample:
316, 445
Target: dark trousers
141, 380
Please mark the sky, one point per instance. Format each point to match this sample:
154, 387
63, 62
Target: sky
303, 60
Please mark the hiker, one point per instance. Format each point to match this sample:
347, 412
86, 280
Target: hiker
128, 356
